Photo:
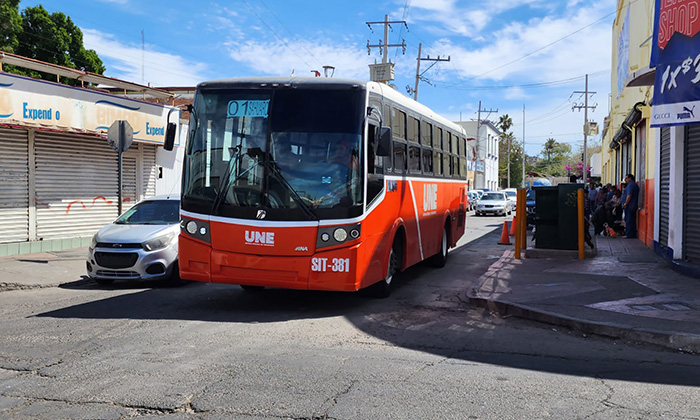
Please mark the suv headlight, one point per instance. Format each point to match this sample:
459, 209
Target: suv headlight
159, 242
93, 242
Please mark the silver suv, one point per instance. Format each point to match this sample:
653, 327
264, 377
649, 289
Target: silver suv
141, 244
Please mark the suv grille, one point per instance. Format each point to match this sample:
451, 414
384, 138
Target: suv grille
116, 259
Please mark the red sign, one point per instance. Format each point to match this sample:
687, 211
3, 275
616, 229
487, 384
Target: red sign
677, 16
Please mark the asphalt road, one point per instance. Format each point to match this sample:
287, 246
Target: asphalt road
202, 351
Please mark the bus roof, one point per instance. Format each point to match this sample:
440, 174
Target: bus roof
333, 83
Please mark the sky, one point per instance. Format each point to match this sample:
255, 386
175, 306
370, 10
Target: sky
524, 58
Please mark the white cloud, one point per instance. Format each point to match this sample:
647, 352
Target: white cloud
278, 58
125, 62
515, 93
520, 49
445, 17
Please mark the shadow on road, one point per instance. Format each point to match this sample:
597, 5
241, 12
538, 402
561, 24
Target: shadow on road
428, 312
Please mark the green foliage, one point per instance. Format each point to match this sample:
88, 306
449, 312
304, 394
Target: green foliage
52, 38
510, 154
10, 25
510, 150
557, 155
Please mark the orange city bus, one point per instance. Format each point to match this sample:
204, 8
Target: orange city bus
316, 183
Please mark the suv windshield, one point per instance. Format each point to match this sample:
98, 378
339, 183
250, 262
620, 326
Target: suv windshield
152, 212
296, 153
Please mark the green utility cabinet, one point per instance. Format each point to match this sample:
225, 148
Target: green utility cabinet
556, 223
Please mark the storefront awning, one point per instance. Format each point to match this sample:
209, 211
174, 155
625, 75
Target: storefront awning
641, 77
624, 133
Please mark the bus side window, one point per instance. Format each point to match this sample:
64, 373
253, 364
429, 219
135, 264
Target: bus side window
375, 166
399, 157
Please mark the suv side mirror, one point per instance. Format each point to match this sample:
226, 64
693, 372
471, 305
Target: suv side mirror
384, 143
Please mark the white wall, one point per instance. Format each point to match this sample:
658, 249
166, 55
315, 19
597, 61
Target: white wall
170, 165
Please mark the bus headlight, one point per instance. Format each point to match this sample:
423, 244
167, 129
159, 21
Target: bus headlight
337, 235
191, 227
340, 235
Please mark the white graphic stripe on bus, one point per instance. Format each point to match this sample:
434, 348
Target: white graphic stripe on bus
415, 209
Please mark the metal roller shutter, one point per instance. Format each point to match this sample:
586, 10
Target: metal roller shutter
691, 210
76, 185
14, 185
149, 171
129, 180
664, 185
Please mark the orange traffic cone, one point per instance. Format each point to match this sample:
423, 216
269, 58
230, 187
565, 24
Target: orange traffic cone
505, 240
512, 227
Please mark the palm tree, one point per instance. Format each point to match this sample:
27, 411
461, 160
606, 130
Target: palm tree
505, 123
548, 148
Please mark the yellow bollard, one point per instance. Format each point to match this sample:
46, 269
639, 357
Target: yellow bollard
518, 233
523, 219
581, 234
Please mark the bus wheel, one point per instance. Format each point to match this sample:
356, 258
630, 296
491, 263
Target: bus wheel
251, 289
383, 288
440, 259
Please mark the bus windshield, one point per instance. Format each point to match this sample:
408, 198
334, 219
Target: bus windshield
294, 153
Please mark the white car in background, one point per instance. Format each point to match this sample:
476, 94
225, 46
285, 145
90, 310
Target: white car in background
512, 194
494, 202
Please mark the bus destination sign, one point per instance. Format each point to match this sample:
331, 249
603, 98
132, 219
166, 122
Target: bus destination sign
246, 108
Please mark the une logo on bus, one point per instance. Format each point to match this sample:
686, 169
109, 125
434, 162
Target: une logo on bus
253, 237
430, 197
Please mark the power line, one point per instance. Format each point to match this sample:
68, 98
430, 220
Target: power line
554, 42
290, 32
275, 34
528, 85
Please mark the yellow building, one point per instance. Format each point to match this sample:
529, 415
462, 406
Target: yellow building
629, 146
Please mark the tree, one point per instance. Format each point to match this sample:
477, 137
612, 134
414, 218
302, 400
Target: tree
548, 149
10, 25
505, 123
557, 154
511, 154
52, 38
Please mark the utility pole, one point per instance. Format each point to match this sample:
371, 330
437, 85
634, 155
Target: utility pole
478, 141
419, 74
585, 107
384, 72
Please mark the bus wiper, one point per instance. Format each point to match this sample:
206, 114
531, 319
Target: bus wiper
297, 199
227, 180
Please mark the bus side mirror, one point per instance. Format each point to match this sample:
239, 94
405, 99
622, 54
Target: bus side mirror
384, 142
170, 136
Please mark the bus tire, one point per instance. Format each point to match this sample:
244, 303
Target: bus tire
383, 288
440, 259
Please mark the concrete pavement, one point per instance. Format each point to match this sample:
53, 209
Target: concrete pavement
45, 269
624, 291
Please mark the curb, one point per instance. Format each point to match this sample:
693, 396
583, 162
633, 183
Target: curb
9, 287
689, 343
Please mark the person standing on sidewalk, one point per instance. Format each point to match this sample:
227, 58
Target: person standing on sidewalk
590, 207
630, 206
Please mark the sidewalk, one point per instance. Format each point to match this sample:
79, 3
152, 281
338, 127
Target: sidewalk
46, 269
625, 291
